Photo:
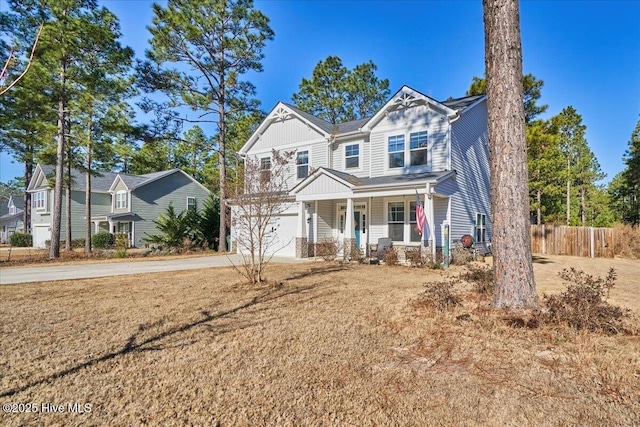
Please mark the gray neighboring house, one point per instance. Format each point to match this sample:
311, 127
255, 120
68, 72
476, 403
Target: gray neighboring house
357, 182
120, 203
12, 219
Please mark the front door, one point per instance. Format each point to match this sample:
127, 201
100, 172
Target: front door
358, 221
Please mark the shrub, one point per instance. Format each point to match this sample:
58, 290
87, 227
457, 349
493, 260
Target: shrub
356, 254
417, 259
438, 296
327, 249
582, 305
481, 279
460, 255
122, 243
21, 240
103, 240
77, 243
391, 256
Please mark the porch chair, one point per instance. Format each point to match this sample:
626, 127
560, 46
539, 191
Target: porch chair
380, 249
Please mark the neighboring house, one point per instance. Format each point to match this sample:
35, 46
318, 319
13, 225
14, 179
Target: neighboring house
120, 203
357, 181
12, 220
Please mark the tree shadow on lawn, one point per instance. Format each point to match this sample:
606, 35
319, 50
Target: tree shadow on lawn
317, 271
540, 260
154, 343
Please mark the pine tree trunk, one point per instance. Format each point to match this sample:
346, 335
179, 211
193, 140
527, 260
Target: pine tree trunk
568, 192
513, 271
28, 173
87, 194
67, 243
54, 249
222, 164
583, 206
538, 210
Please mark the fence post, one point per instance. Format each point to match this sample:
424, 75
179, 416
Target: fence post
591, 243
544, 241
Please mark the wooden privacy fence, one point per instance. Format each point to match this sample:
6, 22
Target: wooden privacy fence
576, 241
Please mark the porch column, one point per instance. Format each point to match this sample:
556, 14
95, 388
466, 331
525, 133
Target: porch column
96, 228
349, 231
428, 236
302, 243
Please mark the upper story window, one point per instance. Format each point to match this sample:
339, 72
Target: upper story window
396, 151
418, 148
352, 156
12, 210
265, 169
121, 199
415, 154
39, 201
191, 204
302, 163
481, 227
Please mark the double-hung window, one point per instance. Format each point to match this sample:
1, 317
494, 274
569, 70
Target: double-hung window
481, 226
191, 204
352, 156
418, 148
302, 163
39, 201
121, 199
265, 169
395, 219
396, 151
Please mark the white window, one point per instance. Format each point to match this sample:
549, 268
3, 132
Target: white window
265, 169
121, 199
396, 151
418, 148
191, 203
302, 163
12, 210
352, 156
395, 219
39, 201
481, 226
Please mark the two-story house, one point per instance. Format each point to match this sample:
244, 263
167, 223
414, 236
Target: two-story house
12, 219
120, 203
357, 181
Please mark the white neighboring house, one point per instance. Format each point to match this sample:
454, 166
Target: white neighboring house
357, 181
120, 202
13, 220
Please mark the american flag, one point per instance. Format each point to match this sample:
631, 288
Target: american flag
421, 217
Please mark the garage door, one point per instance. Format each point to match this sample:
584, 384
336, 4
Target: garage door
40, 233
284, 242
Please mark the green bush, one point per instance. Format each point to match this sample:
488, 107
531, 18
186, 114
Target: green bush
21, 240
103, 240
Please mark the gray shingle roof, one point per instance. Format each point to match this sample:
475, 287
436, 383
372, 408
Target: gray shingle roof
462, 103
337, 129
102, 181
388, 180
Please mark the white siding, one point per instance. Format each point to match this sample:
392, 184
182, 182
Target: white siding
280, 133
405, 121
326, 219
376, 220
440, 208
324, 185
470, 158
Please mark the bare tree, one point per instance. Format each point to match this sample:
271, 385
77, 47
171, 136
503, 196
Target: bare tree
256, 210
7, 65
513, 271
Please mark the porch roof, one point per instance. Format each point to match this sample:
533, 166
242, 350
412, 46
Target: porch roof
122, 216
326, 183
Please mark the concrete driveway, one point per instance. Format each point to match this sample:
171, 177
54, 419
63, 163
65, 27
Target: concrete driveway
119, 268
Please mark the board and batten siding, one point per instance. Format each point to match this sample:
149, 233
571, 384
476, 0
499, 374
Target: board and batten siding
323, 185
470, 159
287, 132
152, 200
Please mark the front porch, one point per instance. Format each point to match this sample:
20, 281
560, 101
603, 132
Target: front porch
117, 223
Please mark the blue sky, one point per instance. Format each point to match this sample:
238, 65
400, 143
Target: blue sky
587, 53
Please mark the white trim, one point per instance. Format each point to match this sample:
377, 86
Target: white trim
470, 106
295, 163
344, 157
407, 168
116, 205
195, 201
45, 201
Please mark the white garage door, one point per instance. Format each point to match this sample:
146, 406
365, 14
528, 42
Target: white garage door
284, 242
40, 233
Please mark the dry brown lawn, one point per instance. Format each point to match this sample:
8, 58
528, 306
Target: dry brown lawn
322, 345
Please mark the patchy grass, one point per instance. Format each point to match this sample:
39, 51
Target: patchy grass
322, 344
